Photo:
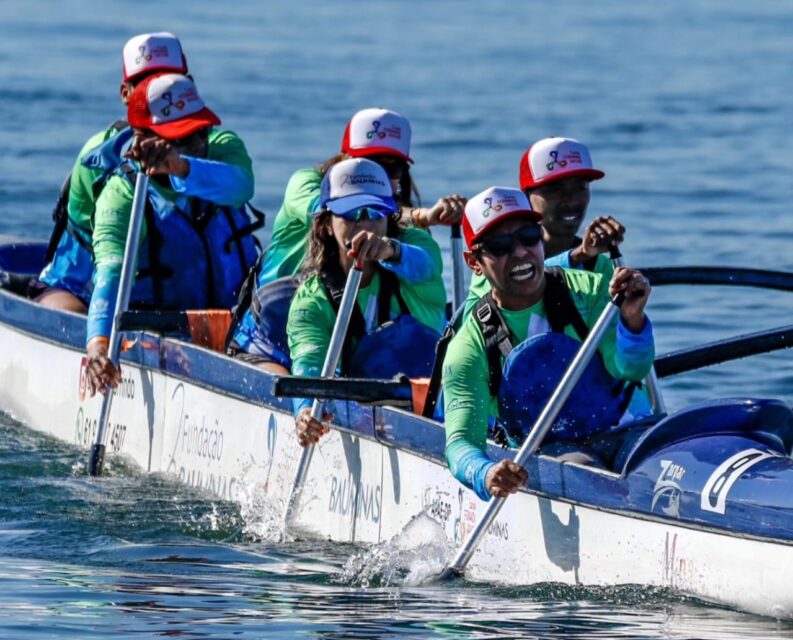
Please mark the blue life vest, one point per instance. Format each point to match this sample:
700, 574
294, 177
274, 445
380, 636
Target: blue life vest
531, 374
258, 323
70, 258
191, 260
402, 345
532, 370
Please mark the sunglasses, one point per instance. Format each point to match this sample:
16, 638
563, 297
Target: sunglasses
356, 215
502, 244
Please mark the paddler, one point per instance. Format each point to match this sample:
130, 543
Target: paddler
196, 242
380, 135
526, 309
401, 300
555, 174
67, 280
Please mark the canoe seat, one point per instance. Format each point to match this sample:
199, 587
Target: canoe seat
770, 422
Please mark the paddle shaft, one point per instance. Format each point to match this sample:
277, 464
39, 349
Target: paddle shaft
653, 386
458, 268
97, 459
538, 431
337, 338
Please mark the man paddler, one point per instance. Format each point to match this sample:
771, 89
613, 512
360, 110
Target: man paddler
555, 174
196, 237
503, 234
67, 280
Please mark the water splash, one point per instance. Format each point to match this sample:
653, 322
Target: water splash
412, 557
261, 512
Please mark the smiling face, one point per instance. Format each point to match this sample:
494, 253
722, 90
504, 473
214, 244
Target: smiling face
563, 204
517, 277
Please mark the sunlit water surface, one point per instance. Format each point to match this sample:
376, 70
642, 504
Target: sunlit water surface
687, 108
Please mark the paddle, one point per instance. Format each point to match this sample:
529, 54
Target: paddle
538, 431
96, 461
653, 387
346, 307
458, 268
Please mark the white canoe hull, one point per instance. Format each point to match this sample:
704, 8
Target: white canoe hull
360, 489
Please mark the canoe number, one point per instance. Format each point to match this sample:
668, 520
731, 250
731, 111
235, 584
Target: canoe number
714, 493
85, 432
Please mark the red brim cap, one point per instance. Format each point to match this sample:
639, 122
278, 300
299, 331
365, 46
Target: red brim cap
184, 126
471, 238
526, 182
378, 151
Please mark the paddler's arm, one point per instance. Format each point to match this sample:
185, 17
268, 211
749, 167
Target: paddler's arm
629, 351
447, 210
600, 235
225, 177
113, 210
468, 405
601, 264
413, 260
292, 226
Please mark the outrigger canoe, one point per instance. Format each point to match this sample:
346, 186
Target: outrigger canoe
700, 501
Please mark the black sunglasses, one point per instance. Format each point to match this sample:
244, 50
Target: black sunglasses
500, 245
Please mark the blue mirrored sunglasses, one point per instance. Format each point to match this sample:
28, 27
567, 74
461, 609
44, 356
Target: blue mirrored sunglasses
356, 215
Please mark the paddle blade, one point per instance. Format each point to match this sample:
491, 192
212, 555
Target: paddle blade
96, 462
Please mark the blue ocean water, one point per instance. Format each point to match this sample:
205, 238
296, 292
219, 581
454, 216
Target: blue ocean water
685, 106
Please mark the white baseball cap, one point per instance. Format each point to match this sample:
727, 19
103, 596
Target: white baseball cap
491, 207
554, 158
355, 183
152, 52
377, 131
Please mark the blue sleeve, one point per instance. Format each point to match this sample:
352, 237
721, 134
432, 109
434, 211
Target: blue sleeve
470, 465
635, 351
561, 260
415, 264
103, 301
218, 182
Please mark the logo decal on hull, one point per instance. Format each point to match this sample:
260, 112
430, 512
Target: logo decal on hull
666, 493
714, 493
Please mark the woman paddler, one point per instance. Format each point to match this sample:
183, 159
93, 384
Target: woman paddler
380, 135
401, 300
513, 348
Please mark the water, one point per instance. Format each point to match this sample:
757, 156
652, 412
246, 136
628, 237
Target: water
683, 105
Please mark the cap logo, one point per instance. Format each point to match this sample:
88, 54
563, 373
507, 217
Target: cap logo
168, 97
490, 207
142, 55
146, 54
392, 131
354, 179
375, 131
571, 157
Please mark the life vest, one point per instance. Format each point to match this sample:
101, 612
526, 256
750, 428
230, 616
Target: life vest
106, 158
193, 259
532, 370
400, 345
